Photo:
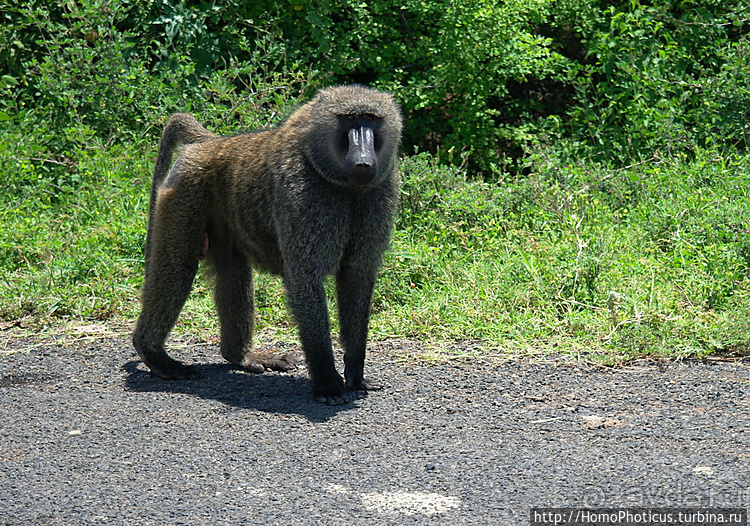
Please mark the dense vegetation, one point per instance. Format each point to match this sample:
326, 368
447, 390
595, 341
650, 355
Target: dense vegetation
575, 173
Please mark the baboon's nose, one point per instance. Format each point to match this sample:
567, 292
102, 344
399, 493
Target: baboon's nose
361, 156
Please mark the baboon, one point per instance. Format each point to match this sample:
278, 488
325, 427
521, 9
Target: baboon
313, 197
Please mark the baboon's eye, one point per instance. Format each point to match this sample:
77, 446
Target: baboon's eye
351, 117
369, 117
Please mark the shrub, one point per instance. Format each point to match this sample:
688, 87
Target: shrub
482, 83
662, 78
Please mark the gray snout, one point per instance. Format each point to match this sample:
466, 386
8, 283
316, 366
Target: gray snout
361, 159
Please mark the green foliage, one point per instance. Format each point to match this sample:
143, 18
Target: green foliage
619, 81
7, 83
663, 78
482, 83
87, 70
723, 118
452, 65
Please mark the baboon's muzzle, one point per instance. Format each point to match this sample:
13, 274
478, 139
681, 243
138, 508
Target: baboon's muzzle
361, 161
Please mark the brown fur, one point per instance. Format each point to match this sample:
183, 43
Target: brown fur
288, 201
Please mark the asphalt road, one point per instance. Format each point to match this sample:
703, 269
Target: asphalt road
87, 436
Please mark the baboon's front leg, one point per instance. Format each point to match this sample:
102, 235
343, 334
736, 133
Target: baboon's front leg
354, 286
308, 304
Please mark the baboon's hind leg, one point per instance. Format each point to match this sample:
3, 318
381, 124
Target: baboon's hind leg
172, 262
235, 303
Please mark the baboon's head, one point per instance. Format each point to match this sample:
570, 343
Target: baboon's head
354, 135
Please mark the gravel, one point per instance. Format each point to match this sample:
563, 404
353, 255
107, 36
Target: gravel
88, 436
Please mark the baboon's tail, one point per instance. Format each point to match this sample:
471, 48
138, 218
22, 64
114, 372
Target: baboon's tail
180, 129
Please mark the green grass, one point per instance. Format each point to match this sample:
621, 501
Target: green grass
652, 260
576, 260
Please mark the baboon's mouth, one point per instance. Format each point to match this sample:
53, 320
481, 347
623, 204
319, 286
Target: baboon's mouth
362, 175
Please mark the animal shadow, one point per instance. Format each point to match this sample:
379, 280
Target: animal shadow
268, 392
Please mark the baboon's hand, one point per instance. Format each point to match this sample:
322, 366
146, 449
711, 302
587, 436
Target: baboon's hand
331, 391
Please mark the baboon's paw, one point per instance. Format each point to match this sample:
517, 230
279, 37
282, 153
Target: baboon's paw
332, 400
169, 369
330, 392
364, 385
260, 362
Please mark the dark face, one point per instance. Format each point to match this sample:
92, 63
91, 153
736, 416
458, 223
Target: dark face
359, 140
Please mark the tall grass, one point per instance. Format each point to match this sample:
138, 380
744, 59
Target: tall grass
581, 259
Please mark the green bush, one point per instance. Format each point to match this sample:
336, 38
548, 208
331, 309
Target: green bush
663, 78
723, 118
483, 84
472, 76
